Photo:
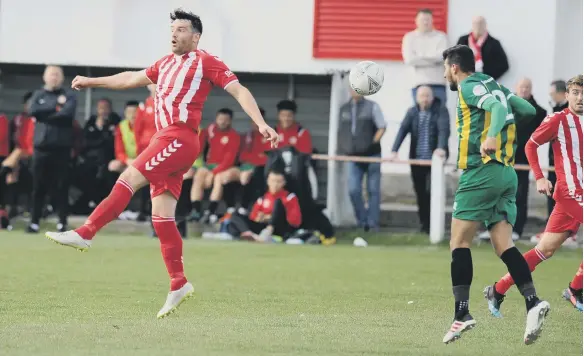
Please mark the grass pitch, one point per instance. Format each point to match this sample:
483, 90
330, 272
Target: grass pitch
263, 300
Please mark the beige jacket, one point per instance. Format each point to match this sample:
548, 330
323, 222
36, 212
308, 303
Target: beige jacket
422, 52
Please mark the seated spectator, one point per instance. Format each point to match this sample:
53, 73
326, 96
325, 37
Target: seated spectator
291, 133
97, 150
252, 159
221, 142
490, 58
277, 213
104, 111
4, 151
15, 177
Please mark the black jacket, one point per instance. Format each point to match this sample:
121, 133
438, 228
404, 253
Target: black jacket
439, 128
494, 57
98, 144
54, 112
525, 128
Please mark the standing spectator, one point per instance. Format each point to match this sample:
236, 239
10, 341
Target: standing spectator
558, 102
361, 127
291, 133
524, 130
422, 51
54, 110
490, 58
428, 124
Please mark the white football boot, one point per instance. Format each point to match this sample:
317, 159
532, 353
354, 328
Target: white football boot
175, 298
534, 323
69, 238
458, 327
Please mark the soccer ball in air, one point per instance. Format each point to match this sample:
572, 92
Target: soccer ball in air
366, 78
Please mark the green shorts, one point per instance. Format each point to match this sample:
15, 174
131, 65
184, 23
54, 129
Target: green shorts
487, 194
246, 167
210, 166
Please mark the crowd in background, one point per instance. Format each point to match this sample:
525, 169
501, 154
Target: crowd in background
52, 163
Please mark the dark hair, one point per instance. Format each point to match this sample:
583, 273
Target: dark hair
575, 81
462, 56
226, 111
107, 100
262, 111
424, 11
180, 14
559, 85
287, 105
132, 103
277, 169
26, 97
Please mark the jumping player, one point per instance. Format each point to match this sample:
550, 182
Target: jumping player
564, 130
184, 79
487, 186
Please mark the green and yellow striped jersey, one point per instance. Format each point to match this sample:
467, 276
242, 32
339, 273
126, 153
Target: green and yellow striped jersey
472, 122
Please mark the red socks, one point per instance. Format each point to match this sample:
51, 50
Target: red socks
108, 210
533, 258
171, 247
577, 281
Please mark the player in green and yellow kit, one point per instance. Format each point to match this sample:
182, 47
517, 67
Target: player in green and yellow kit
486, 191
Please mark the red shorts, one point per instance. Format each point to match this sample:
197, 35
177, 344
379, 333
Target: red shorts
169, 155
566, 216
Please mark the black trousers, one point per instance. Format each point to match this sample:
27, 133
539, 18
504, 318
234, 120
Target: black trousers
521, 201
3, 187
241, 223
50, 176
421, 179
254, 189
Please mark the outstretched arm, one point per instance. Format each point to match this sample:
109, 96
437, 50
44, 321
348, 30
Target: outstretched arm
250, 106
120, 81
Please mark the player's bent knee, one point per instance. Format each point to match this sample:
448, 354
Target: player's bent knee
133, 177
549, 243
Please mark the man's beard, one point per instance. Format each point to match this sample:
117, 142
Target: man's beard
453, 86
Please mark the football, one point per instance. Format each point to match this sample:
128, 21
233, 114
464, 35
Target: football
366, 78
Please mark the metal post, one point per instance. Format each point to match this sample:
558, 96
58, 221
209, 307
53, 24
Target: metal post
291, 87
88, 96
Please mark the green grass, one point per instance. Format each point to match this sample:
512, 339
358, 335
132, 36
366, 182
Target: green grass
263, 300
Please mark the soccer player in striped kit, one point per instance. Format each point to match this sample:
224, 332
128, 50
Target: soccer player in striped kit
564, 130
184, 80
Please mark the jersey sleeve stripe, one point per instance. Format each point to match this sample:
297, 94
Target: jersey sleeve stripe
231, 82
482, 100
510, 95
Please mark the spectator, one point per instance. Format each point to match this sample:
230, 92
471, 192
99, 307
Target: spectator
104, 112
15, 168
93, 177
277, 213
360, 130
54, 110
558, 102
4, 151
422, 51
223, 143
524, 130
252, 159
428, 124
291, 133
490, 58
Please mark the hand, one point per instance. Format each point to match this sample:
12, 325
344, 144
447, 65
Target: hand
489, 146
80, 82
393, 156
544, 186
260, 217
269, 134
5, 170
440, 152
267, 218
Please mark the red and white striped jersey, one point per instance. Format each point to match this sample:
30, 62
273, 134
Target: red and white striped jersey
563, 130
183, 84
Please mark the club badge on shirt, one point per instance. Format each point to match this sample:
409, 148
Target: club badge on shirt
62, 99
293, 140
224, 140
